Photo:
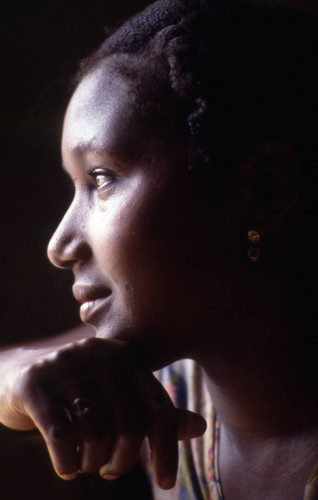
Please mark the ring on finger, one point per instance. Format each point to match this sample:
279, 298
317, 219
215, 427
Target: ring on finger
82, 407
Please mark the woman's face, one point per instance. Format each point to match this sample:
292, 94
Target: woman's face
132, 234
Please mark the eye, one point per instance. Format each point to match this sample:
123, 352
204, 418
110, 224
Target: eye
101, 176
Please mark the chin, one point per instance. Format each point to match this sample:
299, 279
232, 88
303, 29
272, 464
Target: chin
153, 352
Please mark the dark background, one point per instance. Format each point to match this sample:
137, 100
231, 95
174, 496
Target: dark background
42, 44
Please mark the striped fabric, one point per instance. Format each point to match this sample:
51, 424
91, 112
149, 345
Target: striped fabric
198, 475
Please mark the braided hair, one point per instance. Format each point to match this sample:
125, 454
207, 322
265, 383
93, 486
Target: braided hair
230, 74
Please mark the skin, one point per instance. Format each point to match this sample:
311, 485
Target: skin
161, 278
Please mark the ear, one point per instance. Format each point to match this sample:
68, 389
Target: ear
272, 178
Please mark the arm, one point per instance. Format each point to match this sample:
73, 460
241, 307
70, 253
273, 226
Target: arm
77, 333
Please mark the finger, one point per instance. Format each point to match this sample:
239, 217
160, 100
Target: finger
124, 456
164, 450
52, 421
129, 424
189, 424
95, 437
162, 433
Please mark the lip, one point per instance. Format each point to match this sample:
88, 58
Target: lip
94, 300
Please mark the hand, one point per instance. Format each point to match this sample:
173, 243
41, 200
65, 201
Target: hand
124, 403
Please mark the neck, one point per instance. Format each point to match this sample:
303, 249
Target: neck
262, 401
259, 382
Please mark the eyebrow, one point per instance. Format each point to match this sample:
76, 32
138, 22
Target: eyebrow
88, 147
92, 147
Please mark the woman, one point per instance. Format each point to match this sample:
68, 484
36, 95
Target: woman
189, 142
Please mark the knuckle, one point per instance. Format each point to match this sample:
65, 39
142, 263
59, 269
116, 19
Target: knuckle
34, 372
80, 351
40, 371
56, 433
33, 378
88, 343
66, 354
38, 382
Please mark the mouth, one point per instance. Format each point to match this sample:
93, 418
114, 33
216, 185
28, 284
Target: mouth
94, 300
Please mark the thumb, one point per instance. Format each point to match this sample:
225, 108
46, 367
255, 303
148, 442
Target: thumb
189, 424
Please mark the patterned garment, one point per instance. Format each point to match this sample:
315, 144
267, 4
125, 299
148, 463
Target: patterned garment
198, 474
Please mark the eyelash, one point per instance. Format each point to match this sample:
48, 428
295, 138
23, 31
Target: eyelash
101, 172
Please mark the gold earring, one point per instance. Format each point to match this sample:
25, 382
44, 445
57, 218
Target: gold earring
254, 252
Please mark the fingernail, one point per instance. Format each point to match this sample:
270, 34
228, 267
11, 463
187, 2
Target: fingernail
107, 475
168, 482
68, 477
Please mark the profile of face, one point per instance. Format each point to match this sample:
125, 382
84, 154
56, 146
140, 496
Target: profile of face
132, 234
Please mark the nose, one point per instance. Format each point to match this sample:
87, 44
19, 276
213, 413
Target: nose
68, 245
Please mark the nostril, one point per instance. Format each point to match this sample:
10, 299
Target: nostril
66, 253
68, 264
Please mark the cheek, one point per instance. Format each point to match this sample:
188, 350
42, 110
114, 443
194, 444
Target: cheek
122, 231
143, 242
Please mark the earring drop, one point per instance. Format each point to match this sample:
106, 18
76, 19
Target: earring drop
254, 252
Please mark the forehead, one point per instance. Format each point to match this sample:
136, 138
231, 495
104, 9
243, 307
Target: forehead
99, 112
124, 114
